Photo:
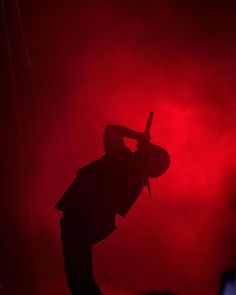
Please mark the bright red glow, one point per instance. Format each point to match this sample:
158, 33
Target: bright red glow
128, 65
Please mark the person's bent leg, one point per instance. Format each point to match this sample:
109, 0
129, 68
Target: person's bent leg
78, 265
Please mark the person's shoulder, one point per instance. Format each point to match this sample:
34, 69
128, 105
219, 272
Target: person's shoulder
122, 154
91, 166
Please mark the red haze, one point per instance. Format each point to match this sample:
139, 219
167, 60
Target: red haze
107, 62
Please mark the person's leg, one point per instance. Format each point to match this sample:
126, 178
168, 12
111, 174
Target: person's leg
78, 265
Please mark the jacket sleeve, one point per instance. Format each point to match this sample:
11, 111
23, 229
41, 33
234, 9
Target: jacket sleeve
113, 140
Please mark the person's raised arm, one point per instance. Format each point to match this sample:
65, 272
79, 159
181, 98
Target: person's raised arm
113, 138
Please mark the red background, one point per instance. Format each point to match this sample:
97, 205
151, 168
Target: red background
101, 62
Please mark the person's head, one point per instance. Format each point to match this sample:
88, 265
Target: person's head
152, 160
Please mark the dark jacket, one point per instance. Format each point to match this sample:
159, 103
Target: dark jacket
102, 189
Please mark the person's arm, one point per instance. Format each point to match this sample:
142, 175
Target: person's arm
113, 138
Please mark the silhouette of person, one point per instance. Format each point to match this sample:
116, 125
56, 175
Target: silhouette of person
102, 189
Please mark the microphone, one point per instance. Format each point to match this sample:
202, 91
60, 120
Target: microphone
149, 123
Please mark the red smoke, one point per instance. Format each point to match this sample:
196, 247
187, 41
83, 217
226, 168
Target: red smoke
114, 63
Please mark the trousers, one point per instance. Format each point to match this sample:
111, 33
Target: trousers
77, 254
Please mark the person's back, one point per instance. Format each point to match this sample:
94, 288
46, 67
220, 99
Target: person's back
102, 189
